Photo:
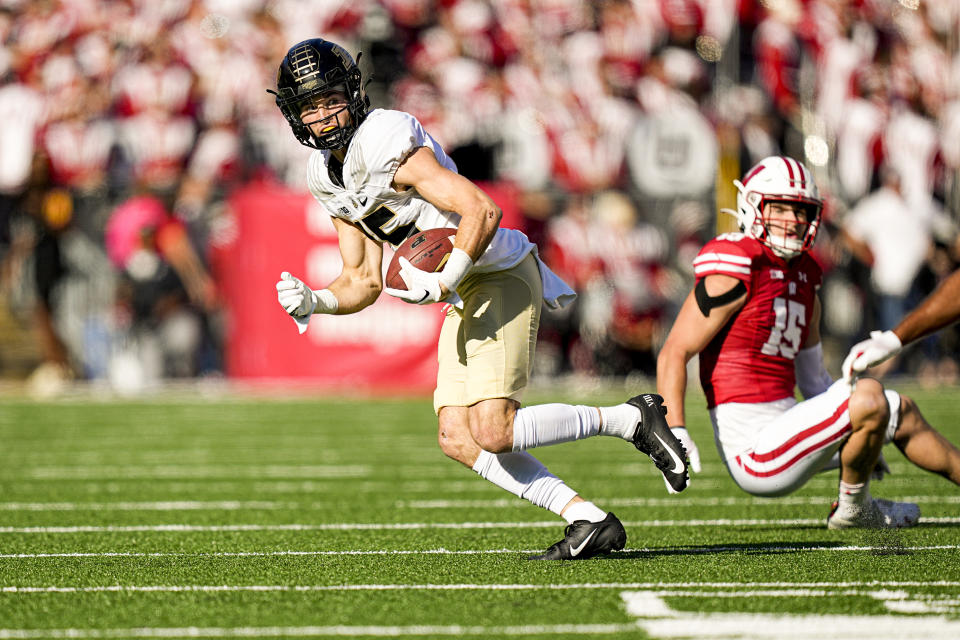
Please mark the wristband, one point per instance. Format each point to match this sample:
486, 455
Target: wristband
326, 301
458, 264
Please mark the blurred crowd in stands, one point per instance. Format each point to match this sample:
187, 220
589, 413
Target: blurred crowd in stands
614, 127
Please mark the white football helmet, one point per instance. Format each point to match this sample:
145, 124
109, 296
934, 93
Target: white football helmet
778, 179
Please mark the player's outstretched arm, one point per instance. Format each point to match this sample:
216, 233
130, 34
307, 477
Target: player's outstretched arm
692, 331
361, 279
939, 309
358, 285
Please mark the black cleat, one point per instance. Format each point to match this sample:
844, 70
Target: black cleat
654, 438
583, 539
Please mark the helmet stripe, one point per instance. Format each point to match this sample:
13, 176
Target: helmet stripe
801, 174
786, 161
757, 169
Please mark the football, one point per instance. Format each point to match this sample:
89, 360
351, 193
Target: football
426, 250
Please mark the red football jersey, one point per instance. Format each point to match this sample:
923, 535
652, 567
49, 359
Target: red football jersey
751, 359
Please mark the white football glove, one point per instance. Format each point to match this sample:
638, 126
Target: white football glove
693, 454
300, 301
294, 296
879, 347
423, 287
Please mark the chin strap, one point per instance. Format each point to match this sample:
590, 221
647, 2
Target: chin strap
706, 302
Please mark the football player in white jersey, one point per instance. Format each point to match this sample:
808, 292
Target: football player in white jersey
381, 178
753, 318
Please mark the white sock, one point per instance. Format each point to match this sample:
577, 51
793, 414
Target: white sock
546, 424
620, 421
523, 475
853, 494
584, 511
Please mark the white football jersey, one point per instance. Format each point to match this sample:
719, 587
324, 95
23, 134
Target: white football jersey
366, 198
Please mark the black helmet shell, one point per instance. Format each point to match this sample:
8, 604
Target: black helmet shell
311, 68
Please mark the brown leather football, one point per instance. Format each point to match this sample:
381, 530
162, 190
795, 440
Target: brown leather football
426, 250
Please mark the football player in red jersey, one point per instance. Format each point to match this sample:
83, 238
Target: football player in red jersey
753, 317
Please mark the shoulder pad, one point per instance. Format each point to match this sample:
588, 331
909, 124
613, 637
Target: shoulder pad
729, 254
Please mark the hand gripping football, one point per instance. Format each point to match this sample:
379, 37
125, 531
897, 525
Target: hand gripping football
426, 250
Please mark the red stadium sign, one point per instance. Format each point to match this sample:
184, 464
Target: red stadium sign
389, 346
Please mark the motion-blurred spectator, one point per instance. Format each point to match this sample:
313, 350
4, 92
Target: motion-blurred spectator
860, 133
634, 258
21, 115
165, 290
893, 239
565, 98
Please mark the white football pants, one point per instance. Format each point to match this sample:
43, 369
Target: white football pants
786, 442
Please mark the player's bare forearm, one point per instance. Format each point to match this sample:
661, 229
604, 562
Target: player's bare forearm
354, 293
449, 191
360, 281
942, 307
672, 384
479, 223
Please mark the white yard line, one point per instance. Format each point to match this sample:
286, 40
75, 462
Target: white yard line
664, 588
668, 502
653, 615
268, 505
166, 505
441, 551
660, 620
410, 526
140, 472
336, 631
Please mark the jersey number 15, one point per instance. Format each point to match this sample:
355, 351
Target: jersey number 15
784, 340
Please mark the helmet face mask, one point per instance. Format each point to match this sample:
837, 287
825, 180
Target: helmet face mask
773, 180
311, 70
315, 110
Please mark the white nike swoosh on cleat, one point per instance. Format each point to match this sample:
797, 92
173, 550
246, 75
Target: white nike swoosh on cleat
677, 462
575, 551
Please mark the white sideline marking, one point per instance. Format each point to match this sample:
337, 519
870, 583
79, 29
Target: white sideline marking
441, 551
660, 621
121, 472
655, 617
343, 630
407, 526
696, 586
170, 505
298, 486
269, 505
667, 502
261, 554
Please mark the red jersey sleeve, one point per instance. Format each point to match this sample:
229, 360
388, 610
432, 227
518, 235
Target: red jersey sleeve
729, 255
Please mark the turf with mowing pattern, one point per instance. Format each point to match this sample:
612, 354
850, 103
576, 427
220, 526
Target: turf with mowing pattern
272, 493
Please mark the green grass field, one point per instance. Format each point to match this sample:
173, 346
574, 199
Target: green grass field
234, 517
